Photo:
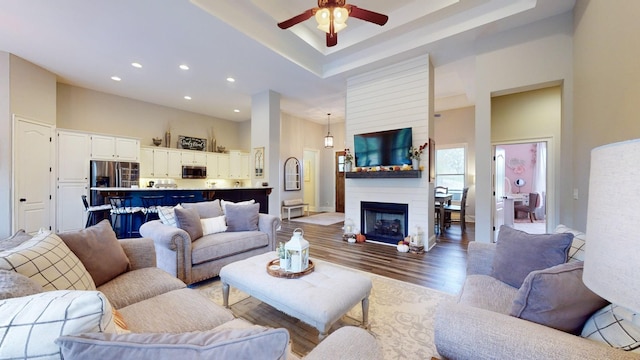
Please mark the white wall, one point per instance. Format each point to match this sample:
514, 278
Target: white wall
457, 126
607, 85
29, 91
94, 111
535, 54
392, 97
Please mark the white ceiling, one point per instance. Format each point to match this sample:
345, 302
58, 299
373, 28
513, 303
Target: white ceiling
87, 42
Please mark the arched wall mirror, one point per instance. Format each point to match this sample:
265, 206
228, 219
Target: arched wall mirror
291, 174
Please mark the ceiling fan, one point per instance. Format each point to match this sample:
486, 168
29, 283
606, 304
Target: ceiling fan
332, 15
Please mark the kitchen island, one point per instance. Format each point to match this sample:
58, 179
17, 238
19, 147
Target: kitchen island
174, 196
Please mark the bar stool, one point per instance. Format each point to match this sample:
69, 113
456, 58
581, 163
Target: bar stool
177, 199
121, 207
150, 205
92, 210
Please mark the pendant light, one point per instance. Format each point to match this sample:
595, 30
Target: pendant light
328, 140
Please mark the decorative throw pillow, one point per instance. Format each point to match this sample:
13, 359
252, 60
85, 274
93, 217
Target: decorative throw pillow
213, 225
223, 204
519, 253
576, 253
16, 239
250, 343
556, 297
49, 262
242, 217
13, 285
99, 250
206, 209
30, 325
189, 221
167, 215
616, 326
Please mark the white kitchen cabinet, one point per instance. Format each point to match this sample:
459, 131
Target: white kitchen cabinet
174, 164
238, 165
217, 166
147, 165
194, 158
73, 156
70, 213
160, 163
114, 148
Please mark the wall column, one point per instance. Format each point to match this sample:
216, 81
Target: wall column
265, 132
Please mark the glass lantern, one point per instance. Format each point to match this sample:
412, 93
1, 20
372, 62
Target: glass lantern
297, 250
349, 230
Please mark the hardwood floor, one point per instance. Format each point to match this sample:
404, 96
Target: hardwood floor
442, 268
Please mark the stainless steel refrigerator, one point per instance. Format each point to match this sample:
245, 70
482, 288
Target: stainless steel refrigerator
112, 174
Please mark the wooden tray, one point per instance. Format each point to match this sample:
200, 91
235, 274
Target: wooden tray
271, 269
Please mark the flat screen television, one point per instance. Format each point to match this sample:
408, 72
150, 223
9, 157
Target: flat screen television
383, 148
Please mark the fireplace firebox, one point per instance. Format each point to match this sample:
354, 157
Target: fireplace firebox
384, 222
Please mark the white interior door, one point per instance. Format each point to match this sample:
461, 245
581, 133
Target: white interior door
498, 190
32, 175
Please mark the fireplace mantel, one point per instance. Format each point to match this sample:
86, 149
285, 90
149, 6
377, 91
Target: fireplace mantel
406, 174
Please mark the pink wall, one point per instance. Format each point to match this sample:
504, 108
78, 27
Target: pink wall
520, 164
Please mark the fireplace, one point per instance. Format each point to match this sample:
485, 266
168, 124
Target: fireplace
384, 222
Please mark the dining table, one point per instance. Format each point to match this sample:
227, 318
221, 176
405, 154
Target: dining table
442, 199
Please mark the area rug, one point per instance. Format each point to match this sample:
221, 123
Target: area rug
400, 314
327, 218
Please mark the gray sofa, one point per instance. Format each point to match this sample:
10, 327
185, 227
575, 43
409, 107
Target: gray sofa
193, 260
157, 307
478, 325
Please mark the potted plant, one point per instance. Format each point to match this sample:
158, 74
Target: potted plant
282, 254
414, 154
348, 158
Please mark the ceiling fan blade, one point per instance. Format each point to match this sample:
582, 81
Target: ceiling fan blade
332, 39
367, 15
297, 19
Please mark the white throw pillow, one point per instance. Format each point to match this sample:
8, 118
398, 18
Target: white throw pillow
213, 225
167, 215
224, 203
615, 326
48, 261
30, 325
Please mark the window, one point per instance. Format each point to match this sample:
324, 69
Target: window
451, 165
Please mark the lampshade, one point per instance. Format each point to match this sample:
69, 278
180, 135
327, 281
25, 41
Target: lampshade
612, 252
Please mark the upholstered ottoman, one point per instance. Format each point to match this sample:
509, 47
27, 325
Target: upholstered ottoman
319, 298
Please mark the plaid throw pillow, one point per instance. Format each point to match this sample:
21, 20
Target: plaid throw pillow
615, 326
167, 215
576, 252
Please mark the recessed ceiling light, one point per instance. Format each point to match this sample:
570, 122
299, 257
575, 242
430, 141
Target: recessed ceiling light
184, 67
230, 79
187, 97
115, 78
236, 110
136, 65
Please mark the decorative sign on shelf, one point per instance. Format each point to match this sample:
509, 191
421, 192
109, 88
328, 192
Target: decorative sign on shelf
192, 143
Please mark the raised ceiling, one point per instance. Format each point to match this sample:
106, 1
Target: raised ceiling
87, 42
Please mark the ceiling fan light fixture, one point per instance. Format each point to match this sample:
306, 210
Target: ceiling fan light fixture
324, 18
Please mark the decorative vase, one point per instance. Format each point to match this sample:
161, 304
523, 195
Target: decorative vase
167, 139
415, 163
347, 166
284, 263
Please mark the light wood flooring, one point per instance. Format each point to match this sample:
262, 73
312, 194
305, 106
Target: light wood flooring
442, 268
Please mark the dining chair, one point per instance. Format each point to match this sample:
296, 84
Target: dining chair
122, 209
92, 210
150, 205
529, 209
460, 209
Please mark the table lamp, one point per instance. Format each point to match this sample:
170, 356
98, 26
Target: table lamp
612, 252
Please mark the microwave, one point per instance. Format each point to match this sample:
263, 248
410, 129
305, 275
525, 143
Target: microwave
194, 172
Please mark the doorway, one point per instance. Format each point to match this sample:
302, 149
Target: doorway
521, 182
310, 189
32, 175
